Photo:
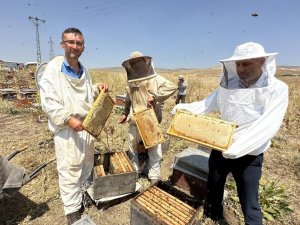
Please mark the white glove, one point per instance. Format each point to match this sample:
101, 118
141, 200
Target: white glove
176, 107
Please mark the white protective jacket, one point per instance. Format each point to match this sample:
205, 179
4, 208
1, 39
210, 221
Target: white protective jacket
63, 96
258, 111
138, 91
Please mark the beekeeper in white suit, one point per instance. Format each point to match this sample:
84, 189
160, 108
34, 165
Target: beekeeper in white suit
250, 96
67, 94
145, 88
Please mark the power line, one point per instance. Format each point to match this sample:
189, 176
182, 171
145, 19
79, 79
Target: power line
106, 9
36, 21
51, 52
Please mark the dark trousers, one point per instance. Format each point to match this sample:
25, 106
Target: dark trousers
246, 172
180, 98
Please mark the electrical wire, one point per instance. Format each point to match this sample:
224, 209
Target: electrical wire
92, 11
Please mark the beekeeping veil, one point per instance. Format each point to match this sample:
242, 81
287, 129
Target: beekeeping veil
138, 67
249, 50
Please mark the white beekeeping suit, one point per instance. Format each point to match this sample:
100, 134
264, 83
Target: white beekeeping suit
74, 150
143, 82
258, 110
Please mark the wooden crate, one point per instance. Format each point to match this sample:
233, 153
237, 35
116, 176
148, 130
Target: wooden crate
120, 101
190, 171
113, 175
162, 204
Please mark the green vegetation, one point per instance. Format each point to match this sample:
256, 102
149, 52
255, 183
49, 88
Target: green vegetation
272, 196
273, 200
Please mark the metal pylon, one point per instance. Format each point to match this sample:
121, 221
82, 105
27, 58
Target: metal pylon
36, 21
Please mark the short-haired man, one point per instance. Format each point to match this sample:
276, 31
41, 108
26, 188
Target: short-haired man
66, 95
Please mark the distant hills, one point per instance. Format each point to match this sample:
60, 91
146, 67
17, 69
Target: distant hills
281, 70
189, 69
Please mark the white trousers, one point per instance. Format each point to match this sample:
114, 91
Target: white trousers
154, 153
75, 158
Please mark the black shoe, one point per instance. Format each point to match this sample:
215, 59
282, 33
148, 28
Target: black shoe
213, 214
86, 201
81, 210
73, 217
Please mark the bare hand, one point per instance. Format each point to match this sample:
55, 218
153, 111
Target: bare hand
103, 87
150, 101
75, 124
122, 119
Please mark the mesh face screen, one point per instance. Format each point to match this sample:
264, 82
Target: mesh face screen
138, 68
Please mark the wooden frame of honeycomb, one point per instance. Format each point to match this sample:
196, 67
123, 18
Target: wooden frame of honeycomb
149, 128
98, 114
204, 130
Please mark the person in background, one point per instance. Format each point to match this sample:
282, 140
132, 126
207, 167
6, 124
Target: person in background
67, 94
181, 94
145, 89
250, 96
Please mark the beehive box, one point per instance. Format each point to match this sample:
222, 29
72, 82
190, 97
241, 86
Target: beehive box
190, 171
113, 175
149, 128
120, 101
162, 204
204, 130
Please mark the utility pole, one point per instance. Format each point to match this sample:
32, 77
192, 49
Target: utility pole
51, 52
36, 21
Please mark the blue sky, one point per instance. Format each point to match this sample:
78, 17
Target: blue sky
176, 33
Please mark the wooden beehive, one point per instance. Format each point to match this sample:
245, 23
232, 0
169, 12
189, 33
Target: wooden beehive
98, 114
113, 175
149, 128
204, 130
119, 163
190, 171
164, 205
120, 101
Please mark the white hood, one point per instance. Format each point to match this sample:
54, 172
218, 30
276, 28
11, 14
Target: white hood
230, 77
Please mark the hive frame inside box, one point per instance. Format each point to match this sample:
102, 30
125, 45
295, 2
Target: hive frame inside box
112, 185
142, 215
207, 131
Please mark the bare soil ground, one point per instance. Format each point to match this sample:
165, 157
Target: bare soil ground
38, 202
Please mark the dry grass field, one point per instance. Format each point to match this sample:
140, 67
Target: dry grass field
38, 202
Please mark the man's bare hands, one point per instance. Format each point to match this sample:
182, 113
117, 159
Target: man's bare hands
75, 124
122, 119
103, 87
150, 101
